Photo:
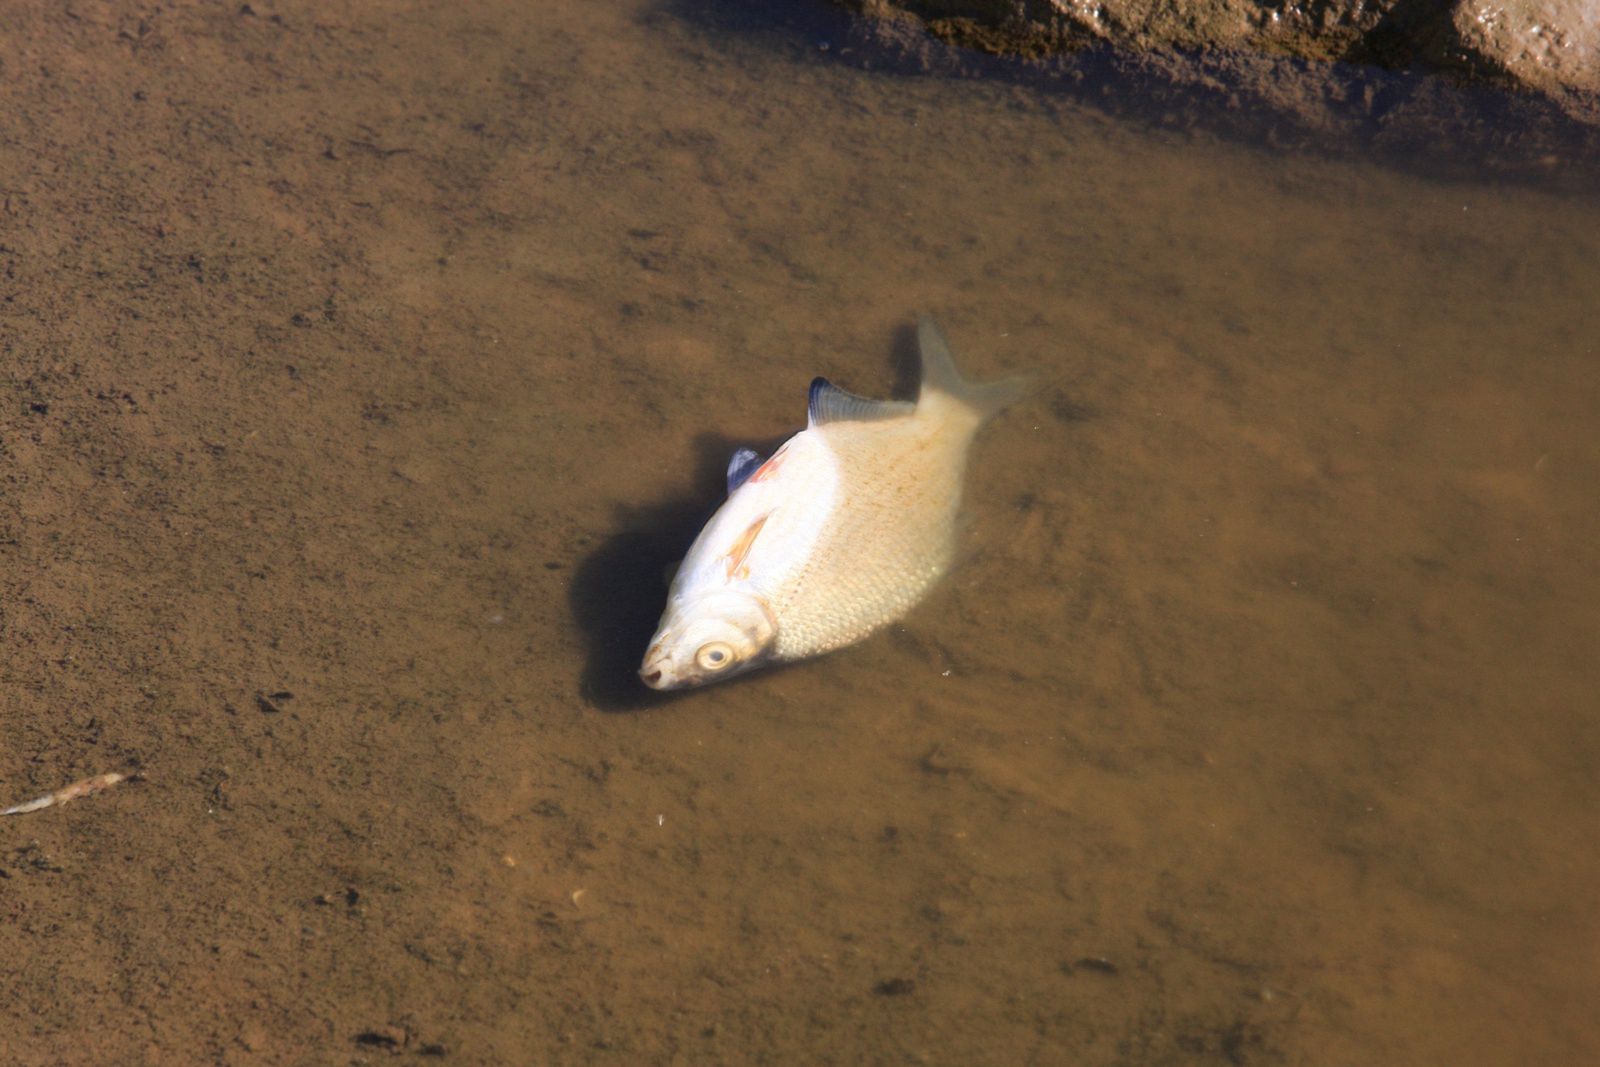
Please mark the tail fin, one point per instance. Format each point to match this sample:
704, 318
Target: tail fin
941, 380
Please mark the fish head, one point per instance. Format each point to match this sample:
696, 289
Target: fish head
707, 638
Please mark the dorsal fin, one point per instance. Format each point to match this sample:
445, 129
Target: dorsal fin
741, 467
829, 403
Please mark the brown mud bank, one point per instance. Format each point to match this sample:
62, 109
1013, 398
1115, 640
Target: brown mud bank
1517, 82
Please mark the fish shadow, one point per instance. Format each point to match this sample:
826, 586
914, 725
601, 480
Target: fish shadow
618, 591
905, 355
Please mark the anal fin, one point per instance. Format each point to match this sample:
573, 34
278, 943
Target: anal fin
741, 467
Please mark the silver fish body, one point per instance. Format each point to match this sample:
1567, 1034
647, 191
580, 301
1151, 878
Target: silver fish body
843, 529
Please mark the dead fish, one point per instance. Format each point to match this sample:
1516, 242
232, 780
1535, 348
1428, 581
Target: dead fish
840, 531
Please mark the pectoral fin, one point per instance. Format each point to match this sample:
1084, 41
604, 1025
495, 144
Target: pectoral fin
735, 559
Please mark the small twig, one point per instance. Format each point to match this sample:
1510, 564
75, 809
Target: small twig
71, 792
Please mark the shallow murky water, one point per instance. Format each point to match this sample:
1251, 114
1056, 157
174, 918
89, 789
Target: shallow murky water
1258, 725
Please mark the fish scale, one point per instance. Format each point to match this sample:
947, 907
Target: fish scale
887, 542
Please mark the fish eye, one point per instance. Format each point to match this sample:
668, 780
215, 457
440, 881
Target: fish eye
714, 656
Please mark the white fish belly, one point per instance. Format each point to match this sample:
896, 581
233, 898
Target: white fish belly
764, 533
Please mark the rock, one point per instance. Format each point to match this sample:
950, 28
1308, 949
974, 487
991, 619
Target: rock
1552, 46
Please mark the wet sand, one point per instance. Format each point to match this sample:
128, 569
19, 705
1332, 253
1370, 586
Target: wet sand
363, 372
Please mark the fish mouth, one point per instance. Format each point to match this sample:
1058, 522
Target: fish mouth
654, 671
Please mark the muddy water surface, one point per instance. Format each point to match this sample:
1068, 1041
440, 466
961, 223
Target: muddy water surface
363, 372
